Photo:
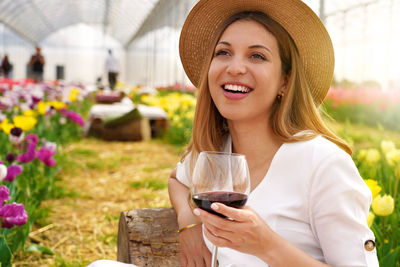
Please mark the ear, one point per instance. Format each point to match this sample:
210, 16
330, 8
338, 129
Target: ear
285, 81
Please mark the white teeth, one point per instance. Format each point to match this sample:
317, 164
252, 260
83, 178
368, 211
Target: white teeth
236, 88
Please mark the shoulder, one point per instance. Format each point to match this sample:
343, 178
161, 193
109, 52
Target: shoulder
316, 149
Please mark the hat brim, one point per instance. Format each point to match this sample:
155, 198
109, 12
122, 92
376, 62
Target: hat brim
303, 25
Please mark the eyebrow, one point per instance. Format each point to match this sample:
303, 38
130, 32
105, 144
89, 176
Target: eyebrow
252, 46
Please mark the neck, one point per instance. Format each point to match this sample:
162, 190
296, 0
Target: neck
258, 143
251, 138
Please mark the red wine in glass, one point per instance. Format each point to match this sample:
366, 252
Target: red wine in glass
231, 199
220, 177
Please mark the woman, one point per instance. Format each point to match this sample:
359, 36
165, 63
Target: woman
262, 69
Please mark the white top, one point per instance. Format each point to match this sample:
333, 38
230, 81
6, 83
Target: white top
314, 197
112, 64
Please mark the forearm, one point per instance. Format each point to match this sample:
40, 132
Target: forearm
283, 254
179, 195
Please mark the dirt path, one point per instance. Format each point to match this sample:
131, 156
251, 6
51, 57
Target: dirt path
102, 179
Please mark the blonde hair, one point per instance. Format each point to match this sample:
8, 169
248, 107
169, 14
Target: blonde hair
293, 113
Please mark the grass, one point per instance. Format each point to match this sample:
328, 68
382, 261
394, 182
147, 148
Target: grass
150, 183
61, 262
361, 136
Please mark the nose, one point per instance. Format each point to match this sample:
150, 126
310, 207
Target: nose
236, 66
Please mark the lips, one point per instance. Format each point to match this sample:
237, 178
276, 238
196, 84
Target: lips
236, 91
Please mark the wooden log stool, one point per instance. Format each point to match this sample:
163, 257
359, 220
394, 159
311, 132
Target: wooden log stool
148, 237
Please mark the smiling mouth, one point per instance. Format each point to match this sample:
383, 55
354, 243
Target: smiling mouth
236, 89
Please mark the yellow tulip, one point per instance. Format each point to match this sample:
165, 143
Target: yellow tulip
26, 123
29, 113
373, 186
362, 154
370, 219
387, 146
6, 126
57, 104
42, 107
372, 156
74, 91
393, 157
383, 206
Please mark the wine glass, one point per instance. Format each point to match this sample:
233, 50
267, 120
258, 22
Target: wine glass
220, 177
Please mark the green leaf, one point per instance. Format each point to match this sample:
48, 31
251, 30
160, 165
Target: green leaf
41, 249
390, 259
5, 255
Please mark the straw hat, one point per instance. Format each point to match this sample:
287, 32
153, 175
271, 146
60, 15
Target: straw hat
303, 25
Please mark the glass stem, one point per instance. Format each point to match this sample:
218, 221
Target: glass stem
214, 262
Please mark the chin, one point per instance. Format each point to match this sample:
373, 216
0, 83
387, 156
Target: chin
232, 115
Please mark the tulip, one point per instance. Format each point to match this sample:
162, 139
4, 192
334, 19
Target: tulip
26, 123
370, 219
16, 135
45, 155
12, 172
374, 187
29, 155
372, 156
383, 206
393, 157
4, 194
10, 157
387, 146
6, 126
3, 172
13, 214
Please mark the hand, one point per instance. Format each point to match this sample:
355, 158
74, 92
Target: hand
194, 252
247, 232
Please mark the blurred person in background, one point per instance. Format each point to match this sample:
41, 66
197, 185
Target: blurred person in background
112, 68
37, 64
6, 67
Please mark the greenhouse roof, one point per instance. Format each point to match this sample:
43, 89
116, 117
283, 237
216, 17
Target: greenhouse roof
37, 19
124, 20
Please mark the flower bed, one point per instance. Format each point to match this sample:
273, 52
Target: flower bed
381, 169
180, 109
34, 120
365, 106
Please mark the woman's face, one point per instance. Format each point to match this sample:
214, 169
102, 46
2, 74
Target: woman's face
245, 73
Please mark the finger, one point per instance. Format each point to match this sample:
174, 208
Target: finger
215, 220
184, 262
235, 214
207, 256
191, 263
219, 232
199, 262
218, 241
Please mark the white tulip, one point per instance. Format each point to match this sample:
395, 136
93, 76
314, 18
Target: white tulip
3, 172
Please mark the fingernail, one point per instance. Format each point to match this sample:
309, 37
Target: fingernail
214, 206
196, 211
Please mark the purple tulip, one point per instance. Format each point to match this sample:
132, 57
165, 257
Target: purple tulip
4, 194
32, 137
12, 172
73, 116
46, 156
16, 135
36, 99
10, 157
29, 155
13, 214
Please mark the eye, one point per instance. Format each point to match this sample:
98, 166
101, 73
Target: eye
221, 53
258, 56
